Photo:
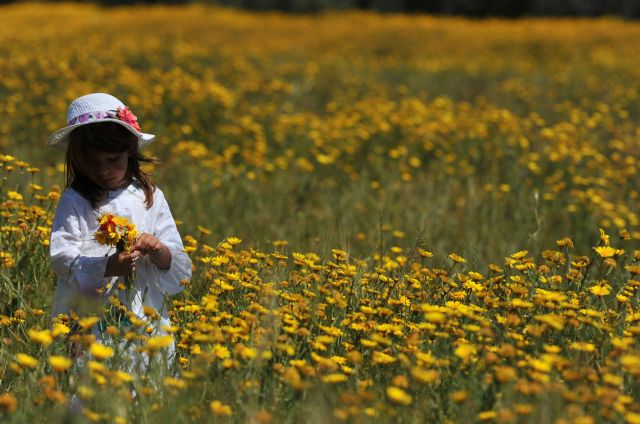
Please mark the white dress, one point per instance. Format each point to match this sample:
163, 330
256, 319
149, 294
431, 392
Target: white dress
80, 262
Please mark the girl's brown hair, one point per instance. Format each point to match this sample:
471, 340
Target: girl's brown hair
108, 137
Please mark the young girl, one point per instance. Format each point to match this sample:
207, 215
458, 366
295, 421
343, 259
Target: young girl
102, 139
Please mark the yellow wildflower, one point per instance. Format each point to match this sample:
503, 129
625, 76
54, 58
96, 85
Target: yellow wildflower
156, 343
26, 361
382, 358
334, 378
632, 418
59, 330
465, 351
608, 251
457, 258
487, 415
88, 322
174, 383
42, 337
582, 346
600, 290
398, 396
100, 351
424, 376
221, 352
60, 363
219, 409
8, 403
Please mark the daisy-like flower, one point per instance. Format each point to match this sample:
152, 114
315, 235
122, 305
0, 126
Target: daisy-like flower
60, 363
100, 351
398, 396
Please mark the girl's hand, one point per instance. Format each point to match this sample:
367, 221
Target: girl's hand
148, 244
121, 264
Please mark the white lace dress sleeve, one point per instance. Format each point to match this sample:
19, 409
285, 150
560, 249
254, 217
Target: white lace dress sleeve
69, 260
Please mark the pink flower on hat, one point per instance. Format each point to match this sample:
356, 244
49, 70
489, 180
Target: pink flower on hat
125, 115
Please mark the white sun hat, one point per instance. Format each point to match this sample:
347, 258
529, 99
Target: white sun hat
98, 107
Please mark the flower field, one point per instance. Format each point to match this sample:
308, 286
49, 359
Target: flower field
391, 218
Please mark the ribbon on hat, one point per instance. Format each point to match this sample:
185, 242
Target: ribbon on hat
122, 114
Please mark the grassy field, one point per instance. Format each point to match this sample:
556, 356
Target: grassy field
391, 218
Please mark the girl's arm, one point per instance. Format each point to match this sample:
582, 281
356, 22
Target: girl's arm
78, 268
171, 253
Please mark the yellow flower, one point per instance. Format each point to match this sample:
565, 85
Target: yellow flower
456, 258
54, 196
174, 383
612, 379
398, 396
435, 317
8, 403
150, 312
554, 320
154, 344
86, 393
540, 365
565, 242
97, 367
123, 376
632, 418
100, 351
505, 373
633, 269
59, 330
606, 251
247, 352
12, 195
582, 346
459, 396
219, 409
630, 362
204, 231
600, 290
519, 255
88, 322
42, 337
382, 358
424, 376
425, 253
221, 352
60, 363
487, 415
523, 408
26, 361
334, 378
465, 351
476, 275
234, 241
519, 303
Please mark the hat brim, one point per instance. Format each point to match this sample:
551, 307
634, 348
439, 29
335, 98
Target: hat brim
60, 138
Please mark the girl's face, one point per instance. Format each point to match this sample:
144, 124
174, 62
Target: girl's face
109, 169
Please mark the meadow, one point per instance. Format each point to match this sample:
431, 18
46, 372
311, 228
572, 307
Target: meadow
391, 218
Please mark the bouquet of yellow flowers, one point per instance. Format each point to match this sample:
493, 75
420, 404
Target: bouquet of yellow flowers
116, 231
119, 232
